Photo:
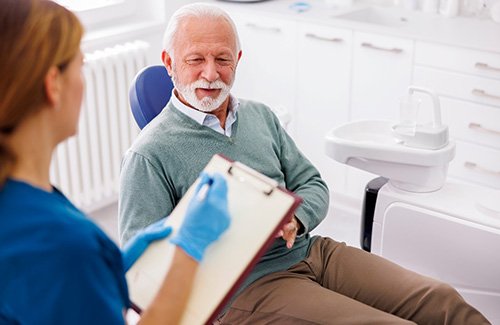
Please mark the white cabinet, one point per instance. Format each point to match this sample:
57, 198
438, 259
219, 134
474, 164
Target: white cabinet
381, 74
267, 69
382, 68
324, 66
468, 83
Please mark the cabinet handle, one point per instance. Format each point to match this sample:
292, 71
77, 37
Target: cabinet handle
373, 47
477, 126
270, 29
482, 93
486, 66
474, 166
321, 38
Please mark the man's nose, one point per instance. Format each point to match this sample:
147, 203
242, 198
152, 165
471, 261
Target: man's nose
210, 72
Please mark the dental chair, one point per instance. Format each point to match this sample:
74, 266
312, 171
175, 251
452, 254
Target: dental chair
149, 93
151, 90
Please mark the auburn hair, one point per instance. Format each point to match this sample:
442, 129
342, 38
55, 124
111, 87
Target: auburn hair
35, 36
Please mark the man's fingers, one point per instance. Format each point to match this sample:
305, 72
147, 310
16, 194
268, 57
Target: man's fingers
290, 230
289, 234
290, 227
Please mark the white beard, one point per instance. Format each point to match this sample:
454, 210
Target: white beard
206, 104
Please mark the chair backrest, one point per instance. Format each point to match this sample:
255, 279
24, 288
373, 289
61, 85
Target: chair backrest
149, 93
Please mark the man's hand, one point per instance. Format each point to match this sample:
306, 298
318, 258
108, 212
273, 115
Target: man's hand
289, 232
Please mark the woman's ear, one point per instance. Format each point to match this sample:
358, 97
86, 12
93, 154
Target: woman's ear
53, 86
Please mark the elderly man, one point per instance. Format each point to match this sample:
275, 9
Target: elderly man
301, 279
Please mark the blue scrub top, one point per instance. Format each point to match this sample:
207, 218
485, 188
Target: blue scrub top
56, 266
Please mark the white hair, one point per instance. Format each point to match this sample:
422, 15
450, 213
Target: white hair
198, 10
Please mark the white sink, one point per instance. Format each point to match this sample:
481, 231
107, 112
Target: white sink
379, 16
370, 145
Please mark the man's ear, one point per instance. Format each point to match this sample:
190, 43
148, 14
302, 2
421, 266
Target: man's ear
238, 59
53, 87
167, 61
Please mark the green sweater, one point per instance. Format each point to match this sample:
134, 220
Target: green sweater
173, 149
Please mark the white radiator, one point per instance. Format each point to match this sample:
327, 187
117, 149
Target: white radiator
86, 167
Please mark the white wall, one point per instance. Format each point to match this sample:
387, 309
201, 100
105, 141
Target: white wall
147, 23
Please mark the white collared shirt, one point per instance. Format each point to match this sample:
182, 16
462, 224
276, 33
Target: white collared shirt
208, 119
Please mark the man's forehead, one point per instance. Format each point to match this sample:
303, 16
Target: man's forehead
205, 32
206, 25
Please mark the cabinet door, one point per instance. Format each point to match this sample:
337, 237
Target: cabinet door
470, 122
458, 59
476, 164
382, 68
458, 85
324, 64
267, 69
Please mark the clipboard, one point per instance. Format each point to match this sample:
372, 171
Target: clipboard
258, 207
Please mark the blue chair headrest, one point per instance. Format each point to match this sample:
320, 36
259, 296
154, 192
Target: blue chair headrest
149, 93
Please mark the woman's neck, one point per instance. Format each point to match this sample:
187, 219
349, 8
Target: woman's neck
32, 172
33, 145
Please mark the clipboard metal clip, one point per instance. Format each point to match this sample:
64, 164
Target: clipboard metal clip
245, 174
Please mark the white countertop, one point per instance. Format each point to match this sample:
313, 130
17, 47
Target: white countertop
472, 33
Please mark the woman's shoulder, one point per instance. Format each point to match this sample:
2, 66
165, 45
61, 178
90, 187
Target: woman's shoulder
63, 257
46, 222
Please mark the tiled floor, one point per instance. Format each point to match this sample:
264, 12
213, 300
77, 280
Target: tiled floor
339, 225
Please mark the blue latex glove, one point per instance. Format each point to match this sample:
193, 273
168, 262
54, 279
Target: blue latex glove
206, 217
134, 248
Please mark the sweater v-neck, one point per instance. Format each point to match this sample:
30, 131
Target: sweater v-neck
183, 118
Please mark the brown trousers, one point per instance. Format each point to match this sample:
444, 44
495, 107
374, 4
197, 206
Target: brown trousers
338, 284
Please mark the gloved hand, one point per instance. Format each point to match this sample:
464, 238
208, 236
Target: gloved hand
206, 217
136, 245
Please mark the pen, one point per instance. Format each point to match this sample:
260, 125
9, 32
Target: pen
202, 193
